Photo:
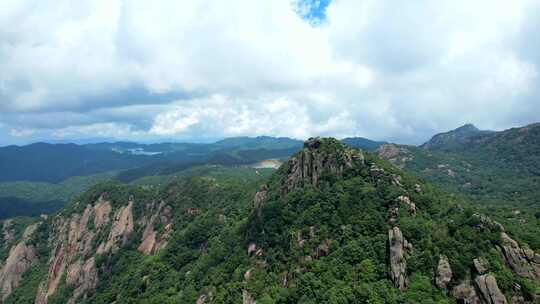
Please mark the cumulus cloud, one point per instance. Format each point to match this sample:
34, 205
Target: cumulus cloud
395, 70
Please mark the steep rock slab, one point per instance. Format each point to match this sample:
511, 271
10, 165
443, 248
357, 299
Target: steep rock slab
20, 258
444, 273
121, 229
247, 298
152, 243
72, 242
489, 290
465, 293
522, 261
7, 231
398, 247
481, 265
81, 276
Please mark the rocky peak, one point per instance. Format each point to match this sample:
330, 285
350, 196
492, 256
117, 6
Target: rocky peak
319, 156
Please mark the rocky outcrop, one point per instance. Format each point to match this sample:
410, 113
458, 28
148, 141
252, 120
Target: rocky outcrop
465, 293
102, 209
485, 222
522, 261
73, 252
444, 273
517, 299
161, 215
7, 231
247, 298
481, 265
317, 157
20, 258
260, 196
398, 156
82, 276
399, 246
121, 229
323, 249
254, 250
405, 200
489, 290
72, 242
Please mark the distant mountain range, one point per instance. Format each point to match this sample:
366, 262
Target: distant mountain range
54, 163
29, 173
493, 167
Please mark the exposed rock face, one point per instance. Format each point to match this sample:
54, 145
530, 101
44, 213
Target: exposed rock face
398, 156
72, 242
312, 161
523, 262
82, 276
517, 299
323, 249
465, 293
247, 274
388, 151
484, 222
481, 265
444, 273
402, 199
398, 247
19, 260
489, 291
121, 229
7, 231
73, 252
260, 196
160, 215
102, 209
201, 299
247, 298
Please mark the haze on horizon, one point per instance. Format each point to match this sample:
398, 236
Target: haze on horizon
169, 70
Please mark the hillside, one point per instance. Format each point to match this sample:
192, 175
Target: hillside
55, 163
457, 139
332, 225
501, 168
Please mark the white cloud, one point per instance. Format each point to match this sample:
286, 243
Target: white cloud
381, 69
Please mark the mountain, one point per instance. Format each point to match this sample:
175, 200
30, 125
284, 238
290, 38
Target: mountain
260, 142
363, 143
331, 225
457, 139
491, 167
56, 162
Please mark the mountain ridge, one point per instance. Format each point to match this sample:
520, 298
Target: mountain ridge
333, 224
456, 139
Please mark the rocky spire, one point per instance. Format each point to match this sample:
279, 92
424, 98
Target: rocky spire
319, 155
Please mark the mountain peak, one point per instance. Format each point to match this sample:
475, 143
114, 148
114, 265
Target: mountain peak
469, 127
455, 138
318, 157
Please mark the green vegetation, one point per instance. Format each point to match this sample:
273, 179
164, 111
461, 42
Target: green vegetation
35, 198
305, 242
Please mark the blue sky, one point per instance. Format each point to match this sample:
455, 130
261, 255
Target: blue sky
313, 10
391, 70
